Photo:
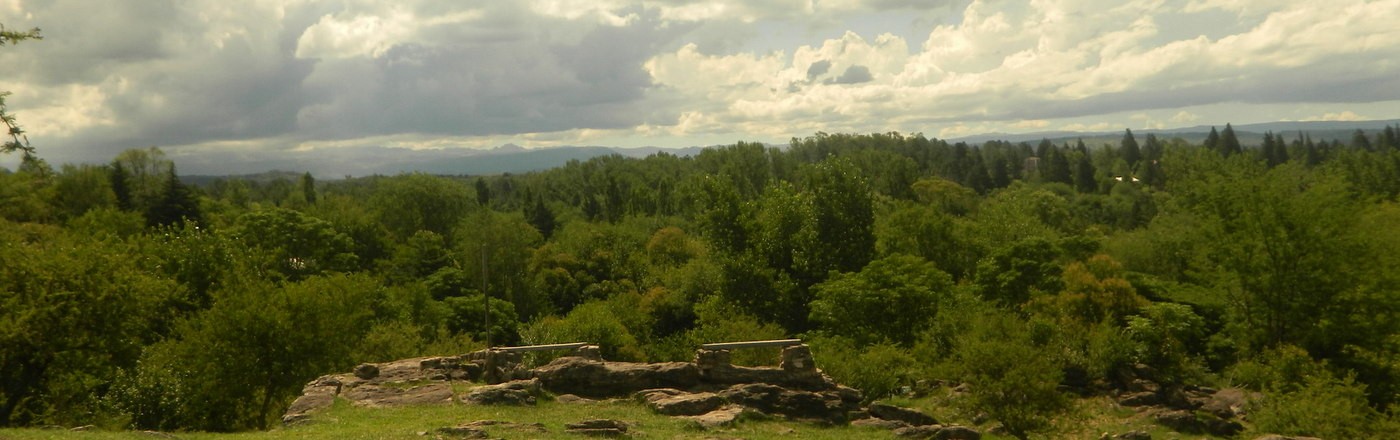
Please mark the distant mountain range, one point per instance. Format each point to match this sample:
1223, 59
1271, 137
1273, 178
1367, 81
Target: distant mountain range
511, 158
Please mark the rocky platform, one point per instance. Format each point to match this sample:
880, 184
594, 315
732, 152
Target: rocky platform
708, 392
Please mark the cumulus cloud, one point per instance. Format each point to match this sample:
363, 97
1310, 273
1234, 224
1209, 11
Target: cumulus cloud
1347, 115
1007, 61
269, 75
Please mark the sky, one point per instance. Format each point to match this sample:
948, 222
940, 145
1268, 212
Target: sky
233, 82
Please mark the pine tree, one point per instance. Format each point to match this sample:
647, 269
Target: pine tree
483, 192
1084, 175
977, 178
540, 216
1153, 176
1359, 140
1131, 153
1229, 144
308, 188
1001, 176
176, 204
121, 186
1274, 152
1058, 168
1212, 140
1151, 148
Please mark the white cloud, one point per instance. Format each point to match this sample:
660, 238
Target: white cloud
1185, 117
1342, 116
432, 73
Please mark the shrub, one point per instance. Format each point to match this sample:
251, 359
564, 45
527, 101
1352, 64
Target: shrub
878, 370
1325, 407
1010, 379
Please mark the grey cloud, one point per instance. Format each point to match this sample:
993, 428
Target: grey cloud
853, 75
500, 86
511, 72
817, 69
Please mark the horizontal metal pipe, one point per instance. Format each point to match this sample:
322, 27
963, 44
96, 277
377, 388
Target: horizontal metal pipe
547, 347
751, 344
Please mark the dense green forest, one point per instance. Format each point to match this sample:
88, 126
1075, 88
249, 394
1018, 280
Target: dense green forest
129, 298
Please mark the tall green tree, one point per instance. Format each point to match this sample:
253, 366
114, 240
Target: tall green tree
308, 188
1084, 180
1229, 143
1057, 170
1212, 141
900, 292
1129, 149
175, 204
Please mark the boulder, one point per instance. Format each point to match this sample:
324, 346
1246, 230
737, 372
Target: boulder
918, 432
890, 412
367, 371
317, 394
956, 432
1222, 428
1142, 398
598, 428
597, 379
826, 407
518, 392
686, 404
1228, 403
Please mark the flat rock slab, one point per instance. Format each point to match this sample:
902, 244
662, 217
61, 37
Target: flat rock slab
878, 423
906, 415
379, 395
725, 416
598, 379
597, 428
686, 404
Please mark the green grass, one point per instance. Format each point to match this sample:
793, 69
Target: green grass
344, 421
1087, 419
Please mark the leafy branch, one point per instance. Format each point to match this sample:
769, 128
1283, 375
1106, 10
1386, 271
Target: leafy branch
18, 140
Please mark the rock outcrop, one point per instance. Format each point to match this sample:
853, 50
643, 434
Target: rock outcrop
709, 392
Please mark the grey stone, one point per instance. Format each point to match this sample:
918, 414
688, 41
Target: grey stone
596, 379
880, 424
598, 428
462, 432
1133, 435
686, 404
1142, 398
725, 416
367, 371
519, 392
906, 415
956, 432
918, 432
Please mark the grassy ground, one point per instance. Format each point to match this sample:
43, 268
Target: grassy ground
1089, 419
